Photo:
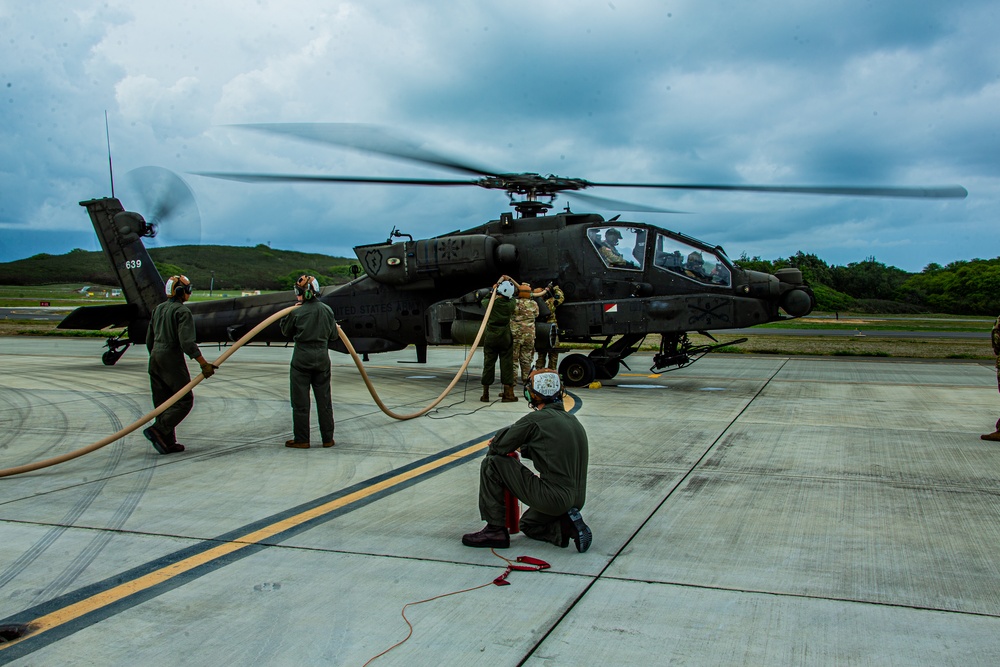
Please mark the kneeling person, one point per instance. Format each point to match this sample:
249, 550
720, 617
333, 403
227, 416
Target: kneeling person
556, 443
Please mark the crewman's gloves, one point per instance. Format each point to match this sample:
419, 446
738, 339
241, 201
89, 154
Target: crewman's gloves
207, 369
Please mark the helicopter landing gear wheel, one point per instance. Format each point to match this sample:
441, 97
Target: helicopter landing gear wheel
577, 370
111, 357
116, 348
606, 369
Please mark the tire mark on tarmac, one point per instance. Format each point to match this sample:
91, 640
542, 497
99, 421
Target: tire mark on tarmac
93, 549
91, 492
62, 616
600, 575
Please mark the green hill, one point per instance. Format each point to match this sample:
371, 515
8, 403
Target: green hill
234, 267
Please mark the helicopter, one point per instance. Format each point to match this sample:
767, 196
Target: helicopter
622, 280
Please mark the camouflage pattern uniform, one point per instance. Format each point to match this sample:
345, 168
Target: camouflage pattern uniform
612, 256
522, 329
553, 301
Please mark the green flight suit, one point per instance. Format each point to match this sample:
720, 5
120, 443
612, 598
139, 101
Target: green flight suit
171, 335
498, 342
556, 443
312, 326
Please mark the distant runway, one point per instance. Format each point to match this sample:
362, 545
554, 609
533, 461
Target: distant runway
857, 333
749, 510
47, 314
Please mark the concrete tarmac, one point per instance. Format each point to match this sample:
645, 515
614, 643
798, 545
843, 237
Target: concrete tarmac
747, 510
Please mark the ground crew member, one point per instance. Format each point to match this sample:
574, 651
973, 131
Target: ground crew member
995, 336
556, 444
522, 330
498, 342
313, 327
169, 336
554, 298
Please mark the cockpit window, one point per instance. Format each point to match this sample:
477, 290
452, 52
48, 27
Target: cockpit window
690, 262
619, 247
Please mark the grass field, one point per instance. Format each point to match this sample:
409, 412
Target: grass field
914, 348
758, 343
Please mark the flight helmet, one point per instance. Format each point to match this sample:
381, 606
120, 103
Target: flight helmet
307, 287
177, 285
506, 288
543, 386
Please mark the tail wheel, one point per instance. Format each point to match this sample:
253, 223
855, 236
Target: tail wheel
577, 370
111, 357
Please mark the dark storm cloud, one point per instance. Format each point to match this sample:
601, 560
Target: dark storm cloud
730, 92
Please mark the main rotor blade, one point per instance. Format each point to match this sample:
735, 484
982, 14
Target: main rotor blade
617, 204
935, 192
310, 178
368, 138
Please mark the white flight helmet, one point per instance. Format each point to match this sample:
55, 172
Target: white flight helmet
543, 386
507, 289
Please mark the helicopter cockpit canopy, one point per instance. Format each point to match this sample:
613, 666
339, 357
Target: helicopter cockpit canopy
693, 263
619, 247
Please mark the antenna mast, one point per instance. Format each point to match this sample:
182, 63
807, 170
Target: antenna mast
111, 170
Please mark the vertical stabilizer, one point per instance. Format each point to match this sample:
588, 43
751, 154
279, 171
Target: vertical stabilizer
120, 233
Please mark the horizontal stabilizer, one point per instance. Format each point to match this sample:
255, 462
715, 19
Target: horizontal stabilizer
100, 317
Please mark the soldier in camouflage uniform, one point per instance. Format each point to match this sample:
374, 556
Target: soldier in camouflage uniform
995, 335
554, 298
522, 329
609, 250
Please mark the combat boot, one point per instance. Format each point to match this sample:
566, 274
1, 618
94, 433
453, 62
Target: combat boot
485, 398
573, 527
508, 394
160, 443
495, 537
993, 437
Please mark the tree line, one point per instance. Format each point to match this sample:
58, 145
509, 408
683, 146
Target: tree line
969, 287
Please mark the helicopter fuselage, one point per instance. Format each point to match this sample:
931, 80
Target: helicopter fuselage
624, 279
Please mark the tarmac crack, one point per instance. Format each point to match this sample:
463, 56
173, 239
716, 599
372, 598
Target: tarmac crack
690, 470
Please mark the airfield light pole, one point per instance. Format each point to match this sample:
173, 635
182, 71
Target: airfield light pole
211, 285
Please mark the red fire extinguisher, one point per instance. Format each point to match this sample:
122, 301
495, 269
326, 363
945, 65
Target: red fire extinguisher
513, 506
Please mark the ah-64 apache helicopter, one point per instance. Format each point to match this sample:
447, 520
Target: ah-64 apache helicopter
622, 280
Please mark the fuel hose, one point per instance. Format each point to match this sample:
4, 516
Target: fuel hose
250, 335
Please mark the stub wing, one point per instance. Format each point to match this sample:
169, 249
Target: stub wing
95, 318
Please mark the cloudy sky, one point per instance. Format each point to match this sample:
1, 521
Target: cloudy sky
783, 92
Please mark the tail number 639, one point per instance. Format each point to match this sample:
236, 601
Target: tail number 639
133, 263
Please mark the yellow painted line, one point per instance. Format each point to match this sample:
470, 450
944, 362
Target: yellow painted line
112, 595
122, 591
640, 375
